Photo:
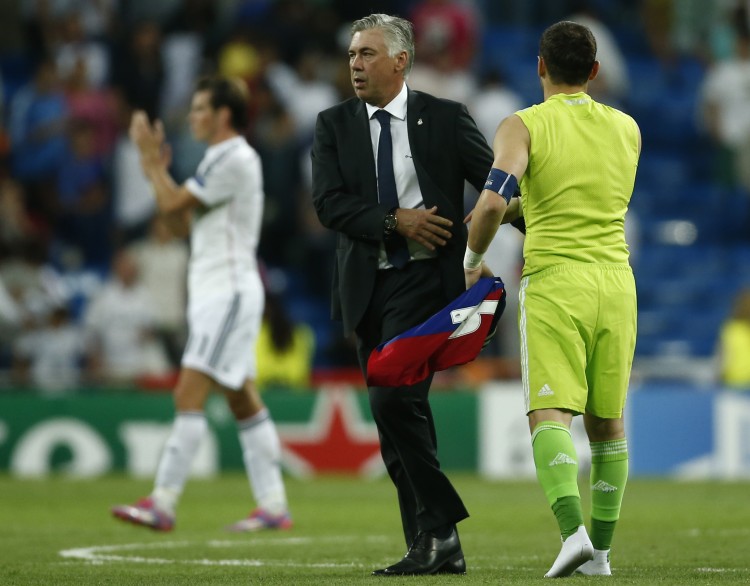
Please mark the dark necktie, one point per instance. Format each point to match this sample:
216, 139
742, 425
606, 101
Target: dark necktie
395, 244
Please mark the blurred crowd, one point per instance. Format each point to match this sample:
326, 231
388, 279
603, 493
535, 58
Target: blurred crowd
92, 285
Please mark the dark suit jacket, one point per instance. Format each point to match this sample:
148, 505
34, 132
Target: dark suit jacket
447, 149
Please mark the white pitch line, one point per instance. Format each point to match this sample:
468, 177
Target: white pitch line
99, 554
721, 570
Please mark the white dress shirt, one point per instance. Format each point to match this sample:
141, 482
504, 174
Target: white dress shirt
407, 186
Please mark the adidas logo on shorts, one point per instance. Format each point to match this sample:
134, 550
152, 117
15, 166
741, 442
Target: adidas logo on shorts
603, 486
562, 459
545, 391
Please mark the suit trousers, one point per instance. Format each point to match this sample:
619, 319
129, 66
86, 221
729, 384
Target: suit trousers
401, 299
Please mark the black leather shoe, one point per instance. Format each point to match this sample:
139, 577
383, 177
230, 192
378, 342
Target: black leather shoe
429, 555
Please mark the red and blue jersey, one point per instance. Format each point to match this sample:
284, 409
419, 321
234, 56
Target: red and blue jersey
454, 335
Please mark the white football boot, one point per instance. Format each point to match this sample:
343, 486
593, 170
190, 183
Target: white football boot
599, 566
576, 550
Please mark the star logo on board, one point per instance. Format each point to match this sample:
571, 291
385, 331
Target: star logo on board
335, 440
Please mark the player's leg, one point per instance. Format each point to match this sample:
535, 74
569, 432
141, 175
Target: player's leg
609, 376
188, 431
261, 452
157, 511
554, 337
556, 465
609, 475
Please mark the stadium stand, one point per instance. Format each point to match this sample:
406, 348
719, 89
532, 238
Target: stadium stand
693, 247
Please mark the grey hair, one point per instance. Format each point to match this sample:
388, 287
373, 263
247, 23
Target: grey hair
397, 32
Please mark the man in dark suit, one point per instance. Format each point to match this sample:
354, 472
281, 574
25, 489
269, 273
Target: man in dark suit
388, 176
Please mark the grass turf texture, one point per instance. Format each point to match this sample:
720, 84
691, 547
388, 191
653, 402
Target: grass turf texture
670, 533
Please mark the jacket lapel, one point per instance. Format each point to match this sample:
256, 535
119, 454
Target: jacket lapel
418, 125
418, 132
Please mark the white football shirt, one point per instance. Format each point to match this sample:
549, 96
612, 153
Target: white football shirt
225, 230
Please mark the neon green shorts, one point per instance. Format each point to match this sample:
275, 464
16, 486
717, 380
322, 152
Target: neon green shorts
578, 328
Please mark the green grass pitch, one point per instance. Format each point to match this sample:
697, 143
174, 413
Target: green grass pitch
59, 531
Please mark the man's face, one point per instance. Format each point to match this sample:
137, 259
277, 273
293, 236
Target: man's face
376, 76
203, 118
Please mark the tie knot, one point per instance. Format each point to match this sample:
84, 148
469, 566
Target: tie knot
383, 117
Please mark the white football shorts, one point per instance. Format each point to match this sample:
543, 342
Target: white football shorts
222, 335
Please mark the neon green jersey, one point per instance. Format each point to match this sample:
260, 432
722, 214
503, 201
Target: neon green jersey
577, 186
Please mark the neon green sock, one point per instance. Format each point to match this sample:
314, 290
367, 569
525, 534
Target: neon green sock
609, 475
569, 515
557, 470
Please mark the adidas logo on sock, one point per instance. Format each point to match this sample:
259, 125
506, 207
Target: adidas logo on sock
603, 486
545, 391
562, 459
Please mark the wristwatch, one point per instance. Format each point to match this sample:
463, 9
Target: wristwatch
390, 222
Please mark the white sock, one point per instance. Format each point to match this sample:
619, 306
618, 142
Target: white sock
261, 451
188, 430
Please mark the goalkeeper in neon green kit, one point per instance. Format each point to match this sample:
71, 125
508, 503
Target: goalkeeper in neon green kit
575, 161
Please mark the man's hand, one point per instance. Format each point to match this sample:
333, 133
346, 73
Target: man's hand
471, 276
423, 226
149, 140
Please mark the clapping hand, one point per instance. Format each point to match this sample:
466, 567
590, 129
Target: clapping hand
149, 139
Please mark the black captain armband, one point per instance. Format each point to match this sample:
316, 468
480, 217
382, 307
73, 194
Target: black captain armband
502, 183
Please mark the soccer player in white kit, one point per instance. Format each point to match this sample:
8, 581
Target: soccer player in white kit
221, 208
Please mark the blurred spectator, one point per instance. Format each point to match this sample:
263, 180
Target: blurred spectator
39, 23
16, 227
303, 91
657, 17
612, 84
11, 319
284, 349
238, 56
445, 30
276, 140
445, 33
97, 16
162, 262
492, 103
678, 28
293, 23
138, 68
51, 356
121, 320
74, 47
734, 344
83, 198
725, 107
38, 116
96, 105
188, 37
721, 20
441, 79
35, 286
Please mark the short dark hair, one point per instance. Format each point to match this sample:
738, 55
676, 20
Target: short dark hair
231, 92
569, 52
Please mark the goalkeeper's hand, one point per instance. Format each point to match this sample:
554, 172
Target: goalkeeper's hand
471, 276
